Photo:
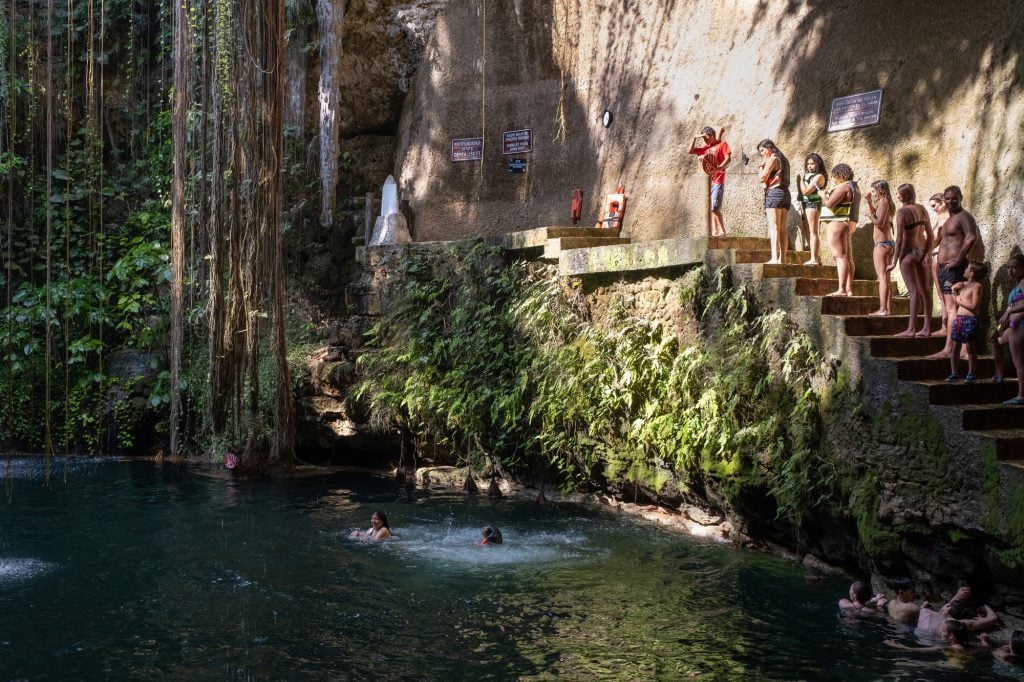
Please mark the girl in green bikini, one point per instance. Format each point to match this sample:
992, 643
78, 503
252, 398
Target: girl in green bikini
810, 185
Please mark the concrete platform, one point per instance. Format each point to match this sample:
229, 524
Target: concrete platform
653, 255
537, 238
554, 248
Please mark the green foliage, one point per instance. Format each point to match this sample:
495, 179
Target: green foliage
495, 362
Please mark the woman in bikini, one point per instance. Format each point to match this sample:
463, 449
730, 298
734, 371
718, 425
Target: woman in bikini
1010, 330
775, 177
881, 210
378, 530
810, 184
835, 212
941, 214
913, 239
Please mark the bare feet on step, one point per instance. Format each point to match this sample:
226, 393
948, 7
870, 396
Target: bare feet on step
939, 332
906, 333
813, 262
879, 313
941, 355
839, 293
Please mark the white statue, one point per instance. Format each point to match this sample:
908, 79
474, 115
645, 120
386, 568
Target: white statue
391, 226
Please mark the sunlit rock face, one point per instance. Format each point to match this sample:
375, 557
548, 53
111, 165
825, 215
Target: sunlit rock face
951, 108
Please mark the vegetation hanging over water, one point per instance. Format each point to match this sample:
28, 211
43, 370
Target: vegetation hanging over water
499, 363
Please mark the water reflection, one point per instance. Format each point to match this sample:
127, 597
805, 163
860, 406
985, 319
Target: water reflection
129, 570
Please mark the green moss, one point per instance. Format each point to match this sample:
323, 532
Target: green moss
876, 537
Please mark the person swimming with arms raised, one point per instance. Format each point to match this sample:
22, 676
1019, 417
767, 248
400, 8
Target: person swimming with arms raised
974, 618
378, 530
490, 535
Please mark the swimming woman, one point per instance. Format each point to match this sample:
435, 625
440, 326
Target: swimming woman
881, 210
810, 184
490, 535
836, 212
775, 177
378, 530
913, 239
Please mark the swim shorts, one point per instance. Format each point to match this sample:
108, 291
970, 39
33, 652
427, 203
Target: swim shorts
717, 191
965, 328
948, 276
776, 197
816, 205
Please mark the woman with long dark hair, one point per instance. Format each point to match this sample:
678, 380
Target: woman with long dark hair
775, 177
881, 211
810, 185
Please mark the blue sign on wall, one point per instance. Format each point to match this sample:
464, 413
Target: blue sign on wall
517, 165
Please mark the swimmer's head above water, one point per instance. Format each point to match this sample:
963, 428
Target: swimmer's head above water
490, 535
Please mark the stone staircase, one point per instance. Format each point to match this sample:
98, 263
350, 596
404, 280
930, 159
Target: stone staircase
979, 405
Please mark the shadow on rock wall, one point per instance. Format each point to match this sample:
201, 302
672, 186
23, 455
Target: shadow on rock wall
924, 57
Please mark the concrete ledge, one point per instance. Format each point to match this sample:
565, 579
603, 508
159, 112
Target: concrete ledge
554, 248
538, 237
664, 253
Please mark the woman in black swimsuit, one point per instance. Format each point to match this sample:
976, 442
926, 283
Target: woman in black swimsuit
775, 176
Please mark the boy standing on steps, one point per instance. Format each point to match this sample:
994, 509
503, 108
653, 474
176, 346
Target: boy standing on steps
966, 296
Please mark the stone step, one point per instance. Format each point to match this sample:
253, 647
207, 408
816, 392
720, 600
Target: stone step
811, 286
554, 247
867, 325
924, 369
555, 232
905, 346
786, 270
738, 243
1009, 444
981, 392
860, 305
997, 416
763, 255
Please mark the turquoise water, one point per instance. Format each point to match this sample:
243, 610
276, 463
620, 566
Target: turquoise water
129, 570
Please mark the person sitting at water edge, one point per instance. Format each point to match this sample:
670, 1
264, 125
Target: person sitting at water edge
967, 296
902, 609
958, 609
861, 600
378, 530
490, 535
1009, 330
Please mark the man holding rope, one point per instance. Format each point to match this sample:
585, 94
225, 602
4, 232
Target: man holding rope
715, 156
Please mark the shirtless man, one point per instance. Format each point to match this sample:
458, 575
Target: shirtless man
981, 618
913, 239
957, 236
902, 609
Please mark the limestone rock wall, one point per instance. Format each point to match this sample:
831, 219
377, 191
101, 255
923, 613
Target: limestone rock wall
952, 110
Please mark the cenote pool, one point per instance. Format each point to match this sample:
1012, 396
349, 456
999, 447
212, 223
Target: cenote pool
129, 570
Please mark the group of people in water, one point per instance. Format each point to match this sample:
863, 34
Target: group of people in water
961, 624
380, 530
930, 255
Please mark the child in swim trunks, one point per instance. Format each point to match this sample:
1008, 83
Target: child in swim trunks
967, 296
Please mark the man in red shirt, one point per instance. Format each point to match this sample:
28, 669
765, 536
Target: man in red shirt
718, 157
